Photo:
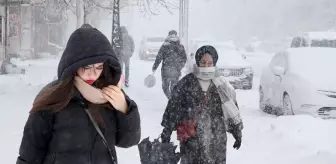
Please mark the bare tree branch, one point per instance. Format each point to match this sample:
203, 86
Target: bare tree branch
147, 7
101, 6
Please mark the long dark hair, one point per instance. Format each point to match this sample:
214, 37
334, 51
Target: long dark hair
57, 97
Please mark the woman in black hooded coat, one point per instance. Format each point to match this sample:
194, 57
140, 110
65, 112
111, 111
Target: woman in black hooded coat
195, 111
59, 129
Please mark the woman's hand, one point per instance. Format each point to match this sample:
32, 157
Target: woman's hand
116, 97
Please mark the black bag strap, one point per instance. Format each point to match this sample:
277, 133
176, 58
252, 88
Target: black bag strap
101, 135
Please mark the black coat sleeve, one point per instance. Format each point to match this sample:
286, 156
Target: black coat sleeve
236, 129
183, 57
175, 108
159, 57
36, 137
128, 126
174, 112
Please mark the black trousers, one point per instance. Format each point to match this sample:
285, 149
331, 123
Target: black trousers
125, 62
168, 83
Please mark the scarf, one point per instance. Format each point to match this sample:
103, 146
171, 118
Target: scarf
204, 73
90, 93
228, 97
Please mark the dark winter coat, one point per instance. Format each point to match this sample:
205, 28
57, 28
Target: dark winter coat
173, 57
68, 136
209, 144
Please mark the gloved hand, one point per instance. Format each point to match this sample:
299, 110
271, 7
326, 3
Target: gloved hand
237, 135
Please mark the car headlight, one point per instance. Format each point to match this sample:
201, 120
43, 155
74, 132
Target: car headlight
248, 71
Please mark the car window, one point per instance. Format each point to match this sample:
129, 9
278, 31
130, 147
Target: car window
324, 43
296, 42
304, 42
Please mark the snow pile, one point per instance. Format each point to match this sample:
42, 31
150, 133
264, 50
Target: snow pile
285, 139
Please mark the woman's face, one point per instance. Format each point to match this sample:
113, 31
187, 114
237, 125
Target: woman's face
90, 73
206, 61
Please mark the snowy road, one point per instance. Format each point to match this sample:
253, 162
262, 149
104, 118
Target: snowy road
266, 139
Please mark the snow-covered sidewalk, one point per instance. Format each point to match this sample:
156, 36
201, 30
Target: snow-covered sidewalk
266, 139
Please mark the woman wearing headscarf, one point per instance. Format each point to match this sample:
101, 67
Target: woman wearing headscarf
202, 109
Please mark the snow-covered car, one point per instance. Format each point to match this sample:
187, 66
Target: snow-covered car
231, 63
149, 47
300, 81
315, 39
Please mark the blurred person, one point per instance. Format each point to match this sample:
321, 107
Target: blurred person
127, 51
173, 57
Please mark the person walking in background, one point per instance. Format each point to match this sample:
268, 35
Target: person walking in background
127, 50
173, 57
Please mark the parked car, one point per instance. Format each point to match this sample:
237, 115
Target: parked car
300, 80
315, 39
149, 47
231, 63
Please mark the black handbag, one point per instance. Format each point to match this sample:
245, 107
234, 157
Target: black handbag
156, 152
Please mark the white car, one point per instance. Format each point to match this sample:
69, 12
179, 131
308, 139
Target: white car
300, 80
150, 46
231, 63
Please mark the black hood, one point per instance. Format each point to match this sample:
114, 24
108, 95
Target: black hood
207, 49
172, 39
87, 46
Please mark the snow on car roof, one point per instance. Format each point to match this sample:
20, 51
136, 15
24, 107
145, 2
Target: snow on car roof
312, 57
316, 65
330, 35
317, 52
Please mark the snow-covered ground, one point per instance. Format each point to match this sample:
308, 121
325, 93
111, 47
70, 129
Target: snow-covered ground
266, 139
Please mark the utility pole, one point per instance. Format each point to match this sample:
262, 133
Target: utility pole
6, 57
116, 34
184, 22
6, 29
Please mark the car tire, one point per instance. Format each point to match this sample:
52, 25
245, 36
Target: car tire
263, 105
287, 106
